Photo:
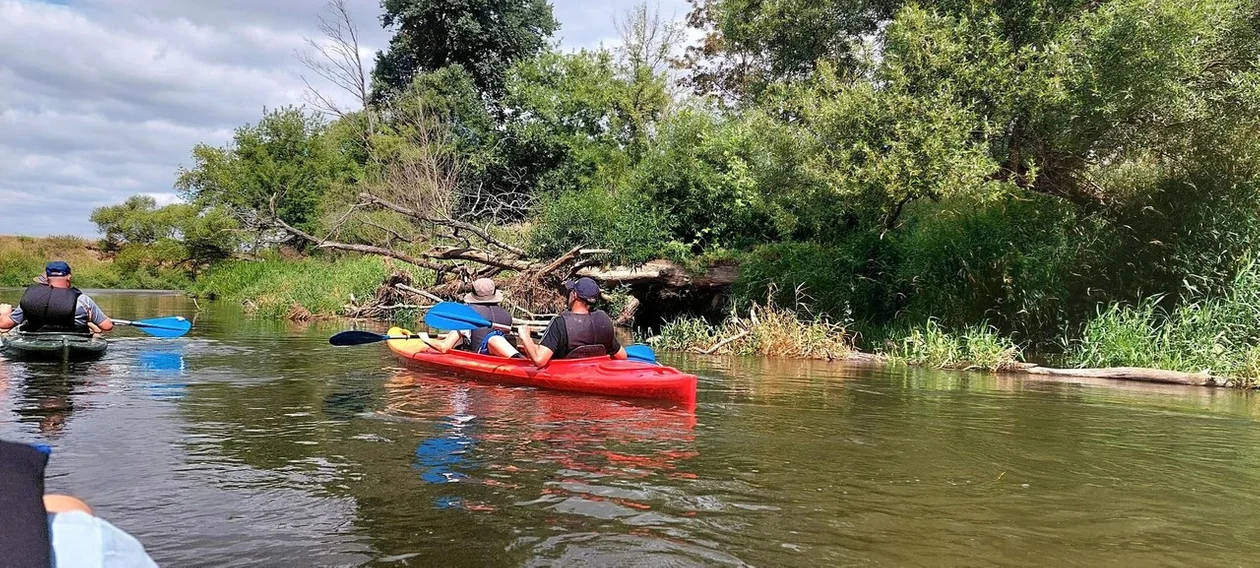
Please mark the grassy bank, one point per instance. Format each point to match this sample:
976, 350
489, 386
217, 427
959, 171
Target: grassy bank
23, 258
978, 347
765, 331
1218, 336
277, 287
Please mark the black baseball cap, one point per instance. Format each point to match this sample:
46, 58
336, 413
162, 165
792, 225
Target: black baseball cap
57, 269
586, 288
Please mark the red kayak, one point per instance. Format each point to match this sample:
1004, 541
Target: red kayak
593, 375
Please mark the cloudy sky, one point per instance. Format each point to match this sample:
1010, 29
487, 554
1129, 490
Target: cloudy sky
102, 99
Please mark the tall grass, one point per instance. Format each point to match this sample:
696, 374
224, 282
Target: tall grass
1220, 335
975, 347
766, 330
281, 288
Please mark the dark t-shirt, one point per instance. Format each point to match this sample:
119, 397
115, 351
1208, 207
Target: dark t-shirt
568, 331
24, 538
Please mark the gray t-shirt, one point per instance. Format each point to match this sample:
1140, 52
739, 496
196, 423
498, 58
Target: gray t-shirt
85, 311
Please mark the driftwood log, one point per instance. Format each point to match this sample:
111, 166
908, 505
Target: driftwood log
1138, 374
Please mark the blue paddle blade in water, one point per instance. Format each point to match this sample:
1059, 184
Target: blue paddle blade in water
166, 328
454, 316
355, 337
641, 352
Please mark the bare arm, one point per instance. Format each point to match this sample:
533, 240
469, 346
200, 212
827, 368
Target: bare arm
448, 341
6, 323
621, 354
539, 354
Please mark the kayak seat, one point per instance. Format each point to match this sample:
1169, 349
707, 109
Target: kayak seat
587, 351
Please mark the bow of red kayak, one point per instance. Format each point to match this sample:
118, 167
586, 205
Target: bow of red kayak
594, 375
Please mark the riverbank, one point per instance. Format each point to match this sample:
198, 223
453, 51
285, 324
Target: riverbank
778, 332
1209, 342
23, 258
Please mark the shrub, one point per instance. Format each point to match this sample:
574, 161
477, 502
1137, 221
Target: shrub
619, 221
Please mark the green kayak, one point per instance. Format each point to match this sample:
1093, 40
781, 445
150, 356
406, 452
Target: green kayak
52, 346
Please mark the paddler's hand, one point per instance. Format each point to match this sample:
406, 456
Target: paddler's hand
523, 331
5, 310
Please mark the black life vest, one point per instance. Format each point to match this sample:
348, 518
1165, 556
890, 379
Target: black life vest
24, 539
48, 309
587, 330
491, 312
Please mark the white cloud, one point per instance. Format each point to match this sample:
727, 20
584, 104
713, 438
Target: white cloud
102, 99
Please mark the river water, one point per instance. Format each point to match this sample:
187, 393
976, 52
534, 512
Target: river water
255, 443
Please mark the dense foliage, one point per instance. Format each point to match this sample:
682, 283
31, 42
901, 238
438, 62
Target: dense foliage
973, 164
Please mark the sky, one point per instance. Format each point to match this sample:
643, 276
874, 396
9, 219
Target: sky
104, 99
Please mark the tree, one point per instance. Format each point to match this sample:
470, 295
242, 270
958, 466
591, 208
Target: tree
336, 59
484, 36
283, 160
750, 44
141, 232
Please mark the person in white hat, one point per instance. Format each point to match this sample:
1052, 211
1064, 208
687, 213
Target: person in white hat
484, 299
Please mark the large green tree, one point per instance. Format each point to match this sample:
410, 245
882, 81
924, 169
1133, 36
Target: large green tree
484, 36
284, 159
749, 44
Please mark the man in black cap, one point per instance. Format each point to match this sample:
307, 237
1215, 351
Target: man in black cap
579, 332
53, 305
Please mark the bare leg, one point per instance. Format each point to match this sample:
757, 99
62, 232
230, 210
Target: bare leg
499, 345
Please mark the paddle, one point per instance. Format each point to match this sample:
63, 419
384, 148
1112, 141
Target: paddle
355, 337
452, 315
456, 316
641, 352
165, 328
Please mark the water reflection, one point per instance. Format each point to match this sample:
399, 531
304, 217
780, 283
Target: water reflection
254, 443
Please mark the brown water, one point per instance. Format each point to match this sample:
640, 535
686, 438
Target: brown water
255, 443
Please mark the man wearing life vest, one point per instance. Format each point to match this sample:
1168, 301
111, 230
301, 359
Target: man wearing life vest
579, 332
484, 299
53, 305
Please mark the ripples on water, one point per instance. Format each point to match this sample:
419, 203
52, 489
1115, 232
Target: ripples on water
254, 443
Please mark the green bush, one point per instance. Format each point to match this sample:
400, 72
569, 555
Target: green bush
619, 221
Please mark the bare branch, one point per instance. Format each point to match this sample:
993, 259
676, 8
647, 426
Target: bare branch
337, 60
481, 233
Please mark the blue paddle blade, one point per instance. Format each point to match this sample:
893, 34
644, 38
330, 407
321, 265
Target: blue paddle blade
454, 316
641, 352
355, 337
166, 328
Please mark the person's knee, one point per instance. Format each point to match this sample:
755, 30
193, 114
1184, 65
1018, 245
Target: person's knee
65, 504
500, 346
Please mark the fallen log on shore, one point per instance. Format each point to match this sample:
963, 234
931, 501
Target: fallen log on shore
1137, 374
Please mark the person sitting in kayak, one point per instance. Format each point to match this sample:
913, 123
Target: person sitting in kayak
54, 530
53, 305
579, 332
484, 299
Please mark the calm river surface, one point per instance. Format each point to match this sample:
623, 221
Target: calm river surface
255, 443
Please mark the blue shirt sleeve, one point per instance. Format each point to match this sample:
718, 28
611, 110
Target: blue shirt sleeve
81, 540
17, 316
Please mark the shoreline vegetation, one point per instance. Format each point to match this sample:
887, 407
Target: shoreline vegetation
1126, 343
950, 184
